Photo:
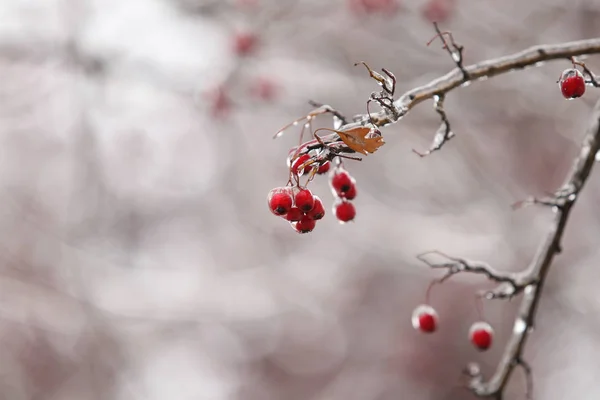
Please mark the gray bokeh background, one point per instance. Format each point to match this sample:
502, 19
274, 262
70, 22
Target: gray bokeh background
138, 259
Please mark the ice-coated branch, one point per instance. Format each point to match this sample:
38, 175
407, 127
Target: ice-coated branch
530, 57
562, 204
454, 265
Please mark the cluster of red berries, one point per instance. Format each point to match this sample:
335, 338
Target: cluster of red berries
571, 83
425, 319
298, 205
343, 187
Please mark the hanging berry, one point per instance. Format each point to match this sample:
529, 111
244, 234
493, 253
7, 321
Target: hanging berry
425, 319
481, 335
571, 84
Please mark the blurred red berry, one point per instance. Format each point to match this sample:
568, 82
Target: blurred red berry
264, 89
572, 84
220, 103
280, 201
305, 225
244, 43
344, 211
373, 6
437, 10
481, 335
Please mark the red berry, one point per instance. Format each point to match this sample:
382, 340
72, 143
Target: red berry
264, 89
437, 10
481, 335
341, 181
372, 6
350, 194
244, 43
294, 214
220, 102
305, 225
572, 84
323, 168
280, 200
344, 211
299, 161
305, 200
425, 318
318, 211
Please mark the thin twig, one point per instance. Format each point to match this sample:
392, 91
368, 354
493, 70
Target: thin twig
444, 84
592, 78
456, 52
444, 132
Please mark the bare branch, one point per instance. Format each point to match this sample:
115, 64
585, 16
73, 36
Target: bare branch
532, 56
538, 270
454, 265
528, 378
444, 132
454, 49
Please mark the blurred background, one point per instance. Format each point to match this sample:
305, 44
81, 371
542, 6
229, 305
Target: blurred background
138, 258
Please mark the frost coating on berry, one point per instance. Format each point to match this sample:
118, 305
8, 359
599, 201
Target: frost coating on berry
344, 211
318, 211
305, 200
305, 225
298, 162
279, 200
294, 214
341, 182
481, 335
425, 318
350, 194
571, 84
324, 168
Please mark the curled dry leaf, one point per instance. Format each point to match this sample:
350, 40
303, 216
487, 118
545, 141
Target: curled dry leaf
360, 139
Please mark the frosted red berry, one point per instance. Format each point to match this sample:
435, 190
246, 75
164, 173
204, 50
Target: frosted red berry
294, 214
244, 43
341, 181
280, 200
572, 84
481, 335
305, 200
298, 163
324, 168
318, 211
350, 194
305, 225
344, 211
425, 319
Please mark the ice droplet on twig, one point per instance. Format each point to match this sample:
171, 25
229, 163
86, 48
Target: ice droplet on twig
520, 326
